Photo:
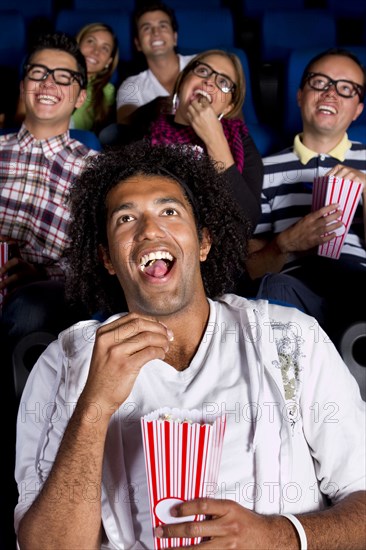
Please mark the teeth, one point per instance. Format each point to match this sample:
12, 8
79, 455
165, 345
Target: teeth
158, 43
204, 94
47, 98
152, 256
327, 109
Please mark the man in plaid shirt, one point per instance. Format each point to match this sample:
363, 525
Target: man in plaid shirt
37, 166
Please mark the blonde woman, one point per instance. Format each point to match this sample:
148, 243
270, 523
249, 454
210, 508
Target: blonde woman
99, 46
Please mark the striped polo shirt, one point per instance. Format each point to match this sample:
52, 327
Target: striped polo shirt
287, 191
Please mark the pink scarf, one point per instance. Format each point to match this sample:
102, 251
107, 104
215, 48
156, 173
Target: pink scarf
164, 130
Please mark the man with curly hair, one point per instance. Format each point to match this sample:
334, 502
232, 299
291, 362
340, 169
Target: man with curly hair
159, 224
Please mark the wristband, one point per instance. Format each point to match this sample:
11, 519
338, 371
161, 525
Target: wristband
300, 530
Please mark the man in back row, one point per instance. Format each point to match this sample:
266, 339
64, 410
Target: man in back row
147, 225
156, 35
330, 97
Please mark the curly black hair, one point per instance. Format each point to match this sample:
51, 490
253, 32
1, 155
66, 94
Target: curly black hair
214, 208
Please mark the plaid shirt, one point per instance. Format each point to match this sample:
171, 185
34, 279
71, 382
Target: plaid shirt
35, 177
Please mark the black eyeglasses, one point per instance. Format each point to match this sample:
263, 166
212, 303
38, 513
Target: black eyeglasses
223, 82
344, 88
64, 77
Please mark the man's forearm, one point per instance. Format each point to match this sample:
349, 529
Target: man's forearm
268, 259
340, 527
125, 112
67, 512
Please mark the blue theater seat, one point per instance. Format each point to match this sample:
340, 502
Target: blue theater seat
286, 30
357, 132
256, 8
12, 38
125, 5
202, 29
30, 10
87, 137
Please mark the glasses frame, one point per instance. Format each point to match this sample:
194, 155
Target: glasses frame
74, 74
358, 88
212, 72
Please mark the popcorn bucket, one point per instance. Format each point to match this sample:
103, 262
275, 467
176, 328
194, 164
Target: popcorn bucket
4, 256
329, 190
182, 457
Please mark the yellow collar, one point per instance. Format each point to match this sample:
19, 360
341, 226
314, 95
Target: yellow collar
305, 154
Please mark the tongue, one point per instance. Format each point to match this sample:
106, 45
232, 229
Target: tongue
158, 268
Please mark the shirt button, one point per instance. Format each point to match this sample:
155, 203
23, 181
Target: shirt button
322, 157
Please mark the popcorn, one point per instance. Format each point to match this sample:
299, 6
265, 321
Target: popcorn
329, 190
182, 457
170, 418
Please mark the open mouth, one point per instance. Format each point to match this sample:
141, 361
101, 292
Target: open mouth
157, 264
199, 94
47, 99
328, 109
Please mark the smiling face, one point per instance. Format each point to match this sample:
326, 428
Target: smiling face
97, 47
48, 105
155, 34
326, 112
193, 86
154, 247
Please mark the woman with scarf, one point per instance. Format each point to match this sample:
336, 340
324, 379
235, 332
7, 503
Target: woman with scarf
206, 114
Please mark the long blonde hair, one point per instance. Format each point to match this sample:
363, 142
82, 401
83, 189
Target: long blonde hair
103, 77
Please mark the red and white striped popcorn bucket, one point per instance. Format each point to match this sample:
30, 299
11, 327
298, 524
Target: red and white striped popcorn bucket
329, 190
4, 256
182, 458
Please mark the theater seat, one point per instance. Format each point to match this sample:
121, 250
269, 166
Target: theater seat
87, 137
256, 8
353, 351
25, 354
265, 138
202, 29
357, 132
126, 5
12, 39
286, 30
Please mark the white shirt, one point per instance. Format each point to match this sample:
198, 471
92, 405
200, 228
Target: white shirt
290, 399
142, 88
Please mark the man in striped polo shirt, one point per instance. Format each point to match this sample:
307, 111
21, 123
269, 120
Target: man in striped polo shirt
283, 253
